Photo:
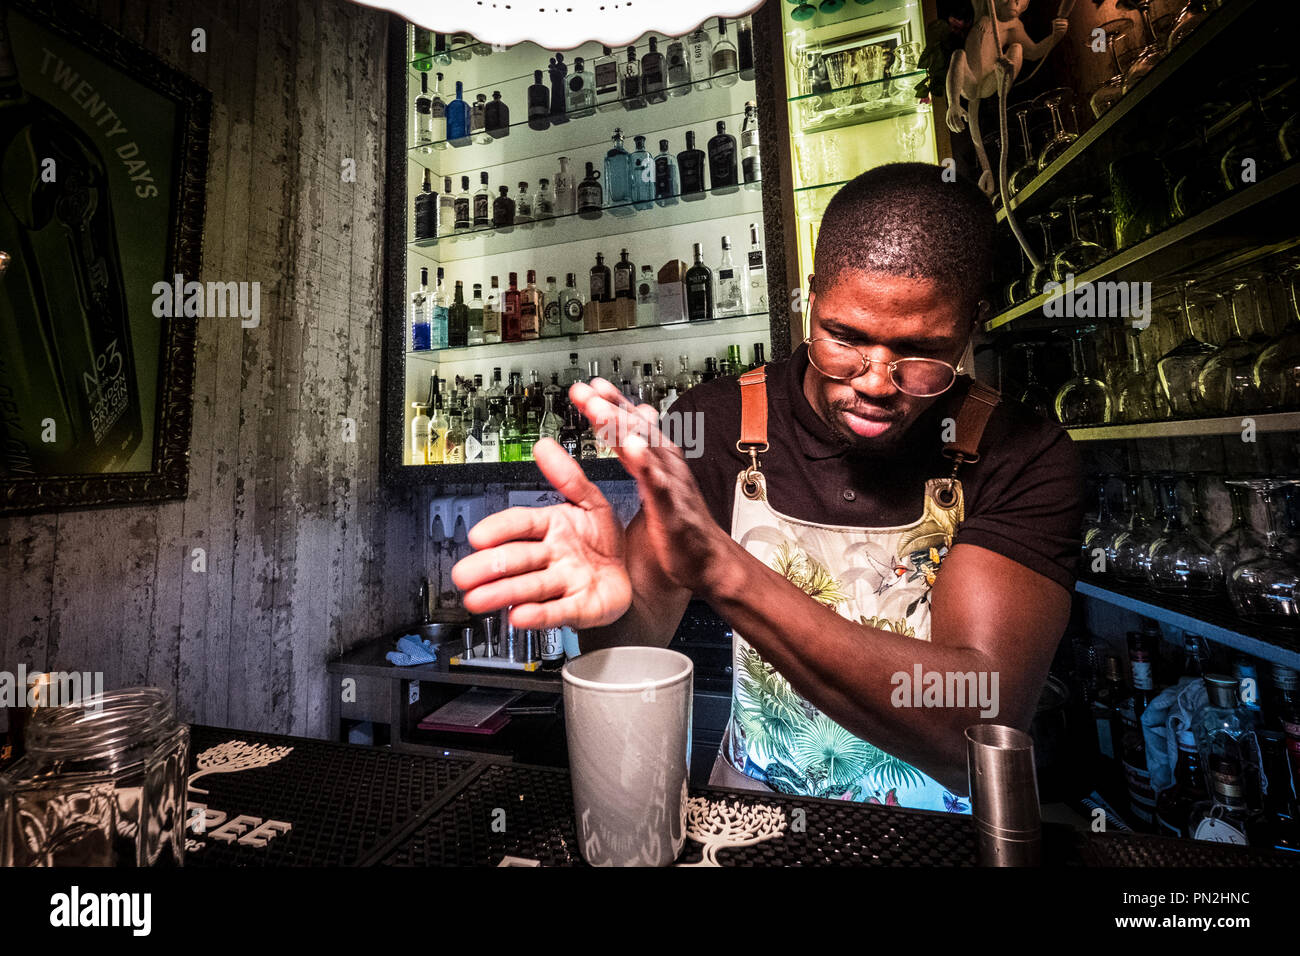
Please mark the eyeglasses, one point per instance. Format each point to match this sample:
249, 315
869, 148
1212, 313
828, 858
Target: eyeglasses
918, 377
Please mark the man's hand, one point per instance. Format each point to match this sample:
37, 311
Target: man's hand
684, 541
562, 565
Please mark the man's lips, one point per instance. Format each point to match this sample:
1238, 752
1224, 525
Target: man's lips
867, 425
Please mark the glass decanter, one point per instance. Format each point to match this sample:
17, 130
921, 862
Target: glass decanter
1179, 367
1084, 399
1131, 548
1180, 561
1277, 370
1078, 255
1109, 93
1241, 542
1267, 589
1225, 381
1035, 395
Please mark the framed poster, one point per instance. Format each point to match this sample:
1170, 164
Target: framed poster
103, 159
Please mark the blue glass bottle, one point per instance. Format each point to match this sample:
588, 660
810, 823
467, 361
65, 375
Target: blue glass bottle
618, 177
643, 175
667, 187
458, 114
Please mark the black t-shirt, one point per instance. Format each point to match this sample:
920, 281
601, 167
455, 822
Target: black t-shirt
1023, 498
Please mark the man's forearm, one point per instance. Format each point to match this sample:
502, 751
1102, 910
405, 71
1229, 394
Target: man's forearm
845, 668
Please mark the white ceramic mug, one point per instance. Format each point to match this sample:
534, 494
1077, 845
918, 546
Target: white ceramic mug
627, 715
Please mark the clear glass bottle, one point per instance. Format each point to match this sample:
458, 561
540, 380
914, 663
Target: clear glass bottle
422, 119
437, 115
464, 207
630, 82
566, 190
699, 51
690, 166
551, 423
678, 67
530, 309
492, 316
590, 200
552, 319
438, 321
492, 428
751, 167
654, 78
572, 306
724, 60
642, 175
446, 209
539, 103
582, 91
573, 374
421, 327
544, 201
503, 210
475, 334
684, 379
475, 413
730, 299
667, 185
419, 450
606, 78
646, 299
482, 203
699, 288
454, 445
722, 160
618, 173
756, 300
438, 425
524, 206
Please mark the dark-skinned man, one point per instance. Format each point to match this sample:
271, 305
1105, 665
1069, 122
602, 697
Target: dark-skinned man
861, 514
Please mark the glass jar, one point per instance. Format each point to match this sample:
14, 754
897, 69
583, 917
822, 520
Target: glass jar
102, 783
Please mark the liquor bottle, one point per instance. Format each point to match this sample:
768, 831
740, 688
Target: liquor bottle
750, 167
492, 431
482, 205
566, 193
643, 175
645, 387
624, 278
1281, 800
659, 380
458, 118
524, 206
539, 103
1174, 804
478, 120
582, 91
426, 209
528, 434
492, 316
618, 173
436, 443
684, 380
1225, 734
601, 281
422, 122
552, 321
1142, 798
630, 82
510, 312
495, 392
474, 423
590, 201
699, 288
498, 117
710, 370
572, 305
756, 301
1284, 702
420, 53
544, 200
572, 374
558, 70
654, 78
437, 115
588, 446
724, 65
1194, 656
464, 207
646, 297
700, 53
551, 423
446, 209
453, 451
503, 210
1227, 817
530, 309
759, 361
475, 334
669, 397
722, 160
690, 166
606, 79
458, 319
745, 47
510, 436
730, 289
438, 323
570, 433
419, 440
678, 66
420, 328
670, 294
667, 185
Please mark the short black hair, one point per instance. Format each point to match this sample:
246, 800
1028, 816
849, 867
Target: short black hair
910, 219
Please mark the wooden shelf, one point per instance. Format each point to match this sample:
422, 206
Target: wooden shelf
1228, 425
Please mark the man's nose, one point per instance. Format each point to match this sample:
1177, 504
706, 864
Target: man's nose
875, 381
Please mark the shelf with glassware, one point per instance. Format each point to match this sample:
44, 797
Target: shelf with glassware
846, 104
1258, 423
1230, 574
1156, 79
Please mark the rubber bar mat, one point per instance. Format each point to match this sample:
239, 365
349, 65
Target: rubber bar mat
339, 800
1118, 849
527, 812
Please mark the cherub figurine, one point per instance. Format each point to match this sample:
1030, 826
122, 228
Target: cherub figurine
996, 48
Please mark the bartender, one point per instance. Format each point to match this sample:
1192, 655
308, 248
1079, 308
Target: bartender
892, 544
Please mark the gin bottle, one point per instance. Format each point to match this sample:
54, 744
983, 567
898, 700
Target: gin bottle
464, 207
552, 319
492, 316
458, 319
530, 309
566, 190
482, 212
722, 160
475, 333
643, 175
700, 54
678, 67
544, 201
667, 185
618, 173
498, 117
589, 195
510, 312
751, 168
437, 115
524, 206
582, 93
539, 104
756, 301
699, 288
572, 306
606, 78
653, 74
729, 300
503, 210
724, 59
420, 328
631, 82
426, 209
446, 209
690, 166
438, 323
478, 120
422, 122
458, 117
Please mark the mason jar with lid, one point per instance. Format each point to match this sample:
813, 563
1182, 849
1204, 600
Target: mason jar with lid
102, 783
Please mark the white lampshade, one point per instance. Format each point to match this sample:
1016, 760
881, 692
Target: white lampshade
563, 24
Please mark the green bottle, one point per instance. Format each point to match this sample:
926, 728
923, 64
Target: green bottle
528, 438
511, 447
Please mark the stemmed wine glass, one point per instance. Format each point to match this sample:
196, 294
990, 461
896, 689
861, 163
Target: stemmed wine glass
1241, 542
1131, 547
1277, 370
803, 55
802, 10
1180, 561
1137, 388
1191, 17
1084, 399
1078, 255
1101, 532
1149, 55
1225, 380
1035, 395
907, 57
1109, 93
1179, 366
1038, 278
910, 129
1267, 588
1059, 104
1023, 174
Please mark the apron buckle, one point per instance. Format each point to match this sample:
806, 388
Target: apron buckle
750, 483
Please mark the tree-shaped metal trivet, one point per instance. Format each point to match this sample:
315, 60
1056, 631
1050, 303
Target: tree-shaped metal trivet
235, 755
718, 825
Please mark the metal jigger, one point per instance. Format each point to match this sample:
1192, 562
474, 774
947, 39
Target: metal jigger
1004, 795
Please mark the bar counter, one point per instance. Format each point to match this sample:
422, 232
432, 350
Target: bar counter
273, 800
